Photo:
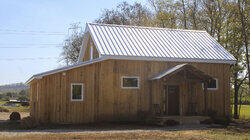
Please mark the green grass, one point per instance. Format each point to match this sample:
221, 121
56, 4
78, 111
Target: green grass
244, 112
2, 102
19, 109
16, 109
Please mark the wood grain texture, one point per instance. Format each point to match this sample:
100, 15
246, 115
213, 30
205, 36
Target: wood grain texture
86, 56
105, 100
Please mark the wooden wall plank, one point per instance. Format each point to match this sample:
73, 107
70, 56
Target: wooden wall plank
104, 100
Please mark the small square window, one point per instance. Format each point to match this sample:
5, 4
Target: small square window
130, 82
212, 84
76, 92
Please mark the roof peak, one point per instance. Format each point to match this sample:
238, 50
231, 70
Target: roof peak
145, 27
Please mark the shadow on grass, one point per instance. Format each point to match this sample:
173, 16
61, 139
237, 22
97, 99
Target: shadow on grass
7, 126
98, 127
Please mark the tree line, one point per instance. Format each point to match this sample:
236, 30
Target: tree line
225, 20
22, 95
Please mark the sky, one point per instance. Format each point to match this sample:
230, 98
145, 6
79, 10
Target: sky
32, 33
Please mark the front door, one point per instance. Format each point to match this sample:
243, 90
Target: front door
173, 100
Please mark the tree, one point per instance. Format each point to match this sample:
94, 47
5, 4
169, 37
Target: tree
184, 13
193, 12
243, 12
234, 44
166, 15
126, 14
23, 98
72, 46
244, 95
23, 92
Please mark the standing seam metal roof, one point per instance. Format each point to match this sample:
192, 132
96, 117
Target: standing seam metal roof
122, 40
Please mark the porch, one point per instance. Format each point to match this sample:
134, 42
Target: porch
180, 94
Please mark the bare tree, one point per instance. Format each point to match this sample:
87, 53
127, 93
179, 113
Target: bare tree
126, 14
243, 12
72, 46
183, 4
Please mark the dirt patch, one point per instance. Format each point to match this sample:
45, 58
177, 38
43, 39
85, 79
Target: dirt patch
5, 115
124, 134
238, 130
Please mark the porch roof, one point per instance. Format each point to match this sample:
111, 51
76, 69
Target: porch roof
174, 70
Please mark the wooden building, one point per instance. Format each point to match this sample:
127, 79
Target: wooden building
129, 72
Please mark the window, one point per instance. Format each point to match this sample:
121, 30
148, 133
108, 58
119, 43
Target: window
212, 85
91, 52
76, 92
130, 82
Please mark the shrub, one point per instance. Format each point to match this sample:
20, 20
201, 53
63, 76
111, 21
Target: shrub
144, 117
2, 109
15, 116
171, 122
222, 120
207, 121
152, 121
212, 113
28, 122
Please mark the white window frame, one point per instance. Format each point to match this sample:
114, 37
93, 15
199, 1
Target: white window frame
138, 82
81, 84
217, 85
91, 52
37, 91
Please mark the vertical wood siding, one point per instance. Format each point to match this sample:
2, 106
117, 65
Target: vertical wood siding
104, 100
87, 51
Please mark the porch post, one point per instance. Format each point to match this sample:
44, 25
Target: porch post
205, 97
150, 97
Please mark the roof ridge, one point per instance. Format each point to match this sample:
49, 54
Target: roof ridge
145, 27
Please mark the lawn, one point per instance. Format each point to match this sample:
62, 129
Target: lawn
16, 109
19, 109
149, 134
2, 102
241, 131
245, 112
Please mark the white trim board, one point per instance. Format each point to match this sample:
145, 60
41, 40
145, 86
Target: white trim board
82, 91
138, 82
217, 85
167, 59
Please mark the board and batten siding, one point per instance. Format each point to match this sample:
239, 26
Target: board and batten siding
105, 100
88, 51
54, 103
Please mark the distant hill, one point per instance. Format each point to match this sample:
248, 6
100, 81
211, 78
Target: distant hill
13, 87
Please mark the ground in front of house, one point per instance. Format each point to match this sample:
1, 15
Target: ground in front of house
239, 130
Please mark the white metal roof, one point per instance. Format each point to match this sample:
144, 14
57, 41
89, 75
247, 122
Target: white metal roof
133, 42
149, 43
40, 75
168, 71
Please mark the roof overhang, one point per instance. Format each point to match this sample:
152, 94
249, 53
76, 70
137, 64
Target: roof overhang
41, 75
185, 60
108, 57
